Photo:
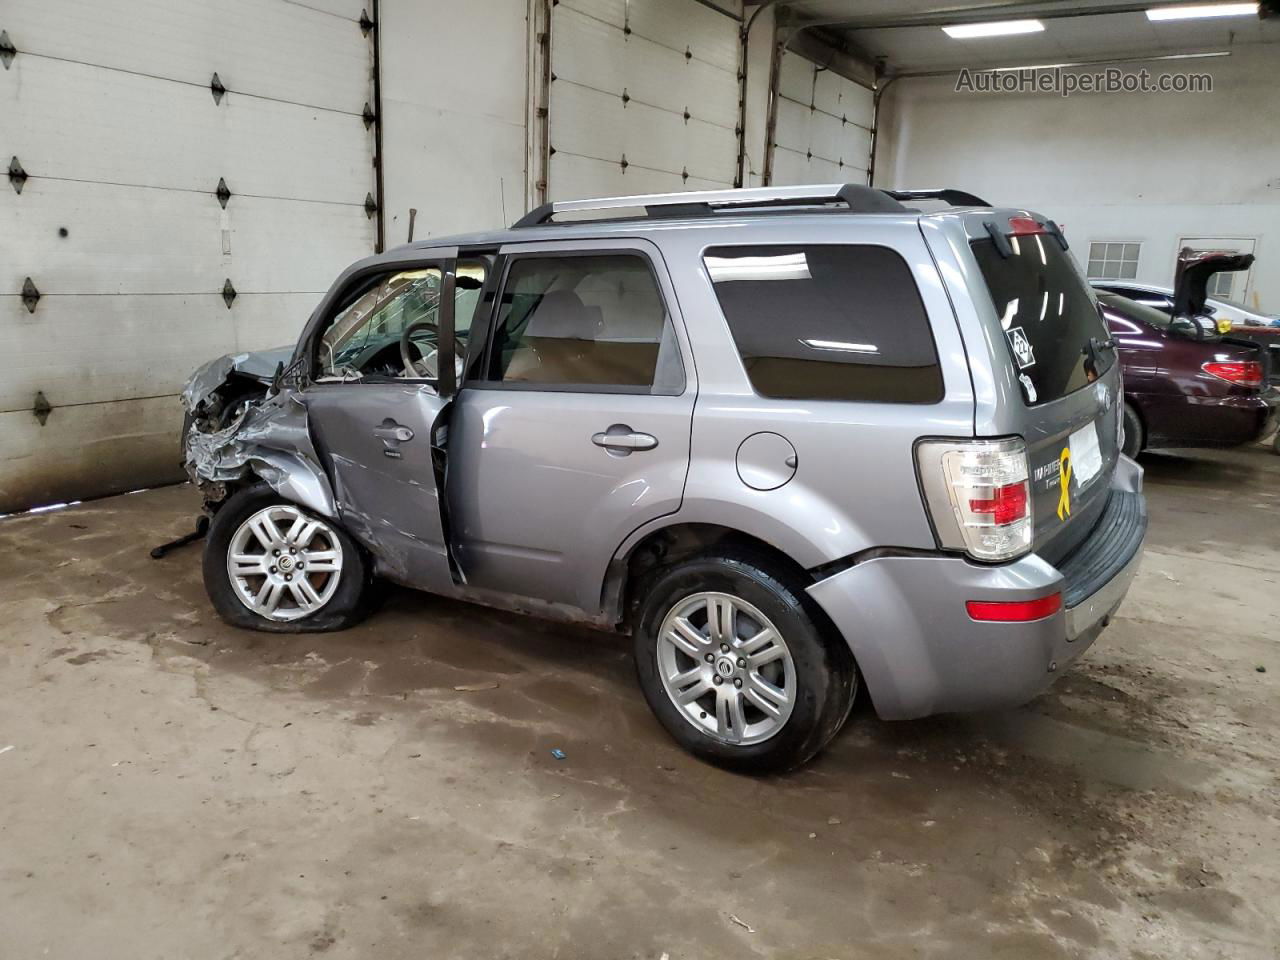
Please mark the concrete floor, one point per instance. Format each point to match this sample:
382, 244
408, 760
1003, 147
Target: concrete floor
170, 787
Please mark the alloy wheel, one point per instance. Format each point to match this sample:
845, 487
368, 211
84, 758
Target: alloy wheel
726, 668
283, 564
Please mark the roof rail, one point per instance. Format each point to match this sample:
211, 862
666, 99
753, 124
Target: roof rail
705, 203
957, 198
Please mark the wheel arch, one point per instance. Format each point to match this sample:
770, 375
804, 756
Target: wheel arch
672, 539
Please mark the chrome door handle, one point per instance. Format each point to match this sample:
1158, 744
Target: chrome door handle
623, 439
390, 430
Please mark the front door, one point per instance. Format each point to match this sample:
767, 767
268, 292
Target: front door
572, 428
378, 418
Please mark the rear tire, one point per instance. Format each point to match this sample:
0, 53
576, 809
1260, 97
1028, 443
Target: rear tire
270, 565
1133, 438
737, 664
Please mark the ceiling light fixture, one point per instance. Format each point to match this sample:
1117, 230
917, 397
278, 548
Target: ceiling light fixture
1203, 11
996, 28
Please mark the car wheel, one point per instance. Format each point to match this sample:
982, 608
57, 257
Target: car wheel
1132, 438
271, 565
738, 667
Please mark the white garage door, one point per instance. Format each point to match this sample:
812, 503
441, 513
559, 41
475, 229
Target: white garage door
823, 128
644, 97
108, 108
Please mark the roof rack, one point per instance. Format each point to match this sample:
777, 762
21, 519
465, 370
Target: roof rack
704, 203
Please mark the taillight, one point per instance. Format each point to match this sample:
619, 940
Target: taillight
1014, 611
978, 495
1024, 226
1247, 373
1005, 505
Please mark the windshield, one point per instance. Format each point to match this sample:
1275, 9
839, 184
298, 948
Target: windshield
1047, 314
1137, 311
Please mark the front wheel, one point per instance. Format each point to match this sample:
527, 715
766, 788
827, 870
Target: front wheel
271, 565
737, 667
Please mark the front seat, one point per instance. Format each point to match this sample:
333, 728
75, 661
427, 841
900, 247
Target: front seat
558, 340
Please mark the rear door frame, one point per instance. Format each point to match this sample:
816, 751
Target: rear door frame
475, 375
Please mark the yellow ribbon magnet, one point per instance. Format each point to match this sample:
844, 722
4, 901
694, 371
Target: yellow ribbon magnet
1064, 484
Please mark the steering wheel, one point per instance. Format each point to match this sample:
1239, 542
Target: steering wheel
425, 367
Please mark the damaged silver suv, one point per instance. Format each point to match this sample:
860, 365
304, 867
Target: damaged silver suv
793, 440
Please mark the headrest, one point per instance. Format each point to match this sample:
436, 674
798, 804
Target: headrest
562, 315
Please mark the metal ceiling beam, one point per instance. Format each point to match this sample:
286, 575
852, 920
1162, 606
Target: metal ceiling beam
981, 13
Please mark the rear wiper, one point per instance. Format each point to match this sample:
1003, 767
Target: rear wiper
1095, 347
1107, 344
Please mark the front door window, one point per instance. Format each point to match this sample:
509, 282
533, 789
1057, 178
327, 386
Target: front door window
390, 327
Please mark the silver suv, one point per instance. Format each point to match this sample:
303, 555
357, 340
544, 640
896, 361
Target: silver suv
793, 440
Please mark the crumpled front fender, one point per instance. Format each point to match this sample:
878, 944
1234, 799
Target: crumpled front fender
272, 440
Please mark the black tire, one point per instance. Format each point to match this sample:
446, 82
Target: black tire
348, 604
1134, 438
825, 673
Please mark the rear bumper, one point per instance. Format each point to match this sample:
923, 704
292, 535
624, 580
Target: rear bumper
920, 653
1215, 421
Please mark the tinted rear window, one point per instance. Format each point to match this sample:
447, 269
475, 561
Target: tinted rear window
827, 322
1047, 316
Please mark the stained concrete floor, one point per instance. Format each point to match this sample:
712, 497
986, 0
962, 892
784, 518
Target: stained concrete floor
171, 787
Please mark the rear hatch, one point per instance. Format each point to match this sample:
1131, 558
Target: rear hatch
1048, 337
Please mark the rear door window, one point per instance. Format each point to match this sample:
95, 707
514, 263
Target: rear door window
585, 322
1046, 314
827, 322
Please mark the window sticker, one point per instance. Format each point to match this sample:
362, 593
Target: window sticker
1021, 348
1029, 387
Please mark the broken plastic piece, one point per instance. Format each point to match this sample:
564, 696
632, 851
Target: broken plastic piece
202, 528
558, 753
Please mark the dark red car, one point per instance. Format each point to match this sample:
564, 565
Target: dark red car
1185, 386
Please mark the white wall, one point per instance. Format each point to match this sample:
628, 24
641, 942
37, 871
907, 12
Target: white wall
1146, 167
454, 88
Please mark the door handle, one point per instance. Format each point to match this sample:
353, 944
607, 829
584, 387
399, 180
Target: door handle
620, 439
389, 430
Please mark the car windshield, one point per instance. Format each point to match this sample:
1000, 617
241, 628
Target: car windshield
1137, 311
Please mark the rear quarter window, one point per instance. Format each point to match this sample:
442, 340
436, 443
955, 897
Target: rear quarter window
827, 322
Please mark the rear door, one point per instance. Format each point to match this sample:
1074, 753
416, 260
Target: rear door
574, 430
1047, 336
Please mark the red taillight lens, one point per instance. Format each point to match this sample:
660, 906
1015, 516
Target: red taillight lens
1024, 226
1247, 373
1017, 611
1005, 505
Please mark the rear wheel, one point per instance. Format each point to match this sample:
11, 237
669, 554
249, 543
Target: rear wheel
1133, 438
270, 565
737, 667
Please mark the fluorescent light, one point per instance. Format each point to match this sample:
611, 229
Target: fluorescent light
1202, 11
788, 266
842, 346
996, 28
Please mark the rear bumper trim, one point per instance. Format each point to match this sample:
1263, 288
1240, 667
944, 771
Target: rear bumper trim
1094, 609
